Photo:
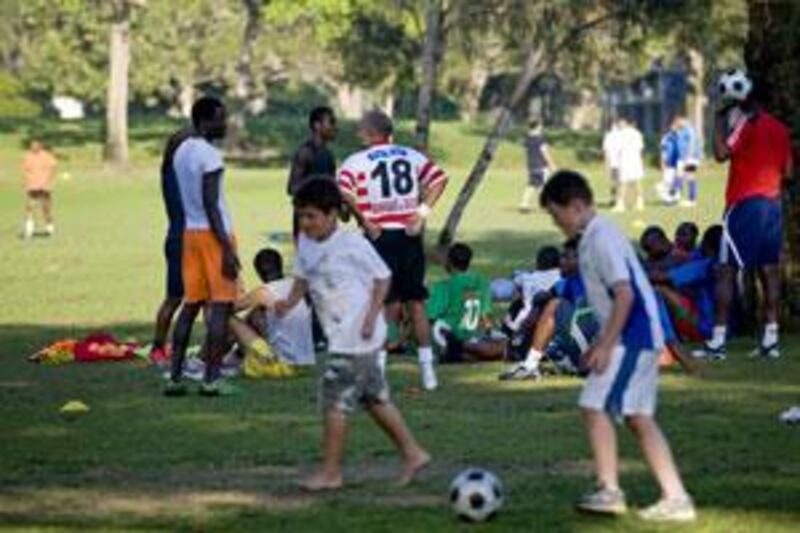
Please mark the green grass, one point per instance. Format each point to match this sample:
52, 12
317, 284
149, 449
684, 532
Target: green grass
138, 461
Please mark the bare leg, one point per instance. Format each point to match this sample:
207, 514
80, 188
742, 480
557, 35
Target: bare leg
603, 440
639, 190
724, 291
180, 337
163, 320
771, 285
329, 475
420, 323
545, 327
217, 337
47, 210
658, 456
30, 224
388, 417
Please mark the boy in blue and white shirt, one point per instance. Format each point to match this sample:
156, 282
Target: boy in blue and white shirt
623, 362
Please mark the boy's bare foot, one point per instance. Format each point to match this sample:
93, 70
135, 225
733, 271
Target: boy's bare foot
413, 466
320, 481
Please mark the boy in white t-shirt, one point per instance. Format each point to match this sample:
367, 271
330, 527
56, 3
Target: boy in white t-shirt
348, 283
623, 362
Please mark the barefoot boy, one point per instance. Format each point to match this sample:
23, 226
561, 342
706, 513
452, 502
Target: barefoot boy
623, 362
348, 283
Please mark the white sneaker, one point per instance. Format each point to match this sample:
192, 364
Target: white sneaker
429, 380
688, 203
791, 415
670, 511
618, 208
50, 229
27, 231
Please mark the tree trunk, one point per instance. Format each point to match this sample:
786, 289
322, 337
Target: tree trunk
353, 101
116, 145
432, 52
245, 90
697, 96
478, 76
773, 56
531, 68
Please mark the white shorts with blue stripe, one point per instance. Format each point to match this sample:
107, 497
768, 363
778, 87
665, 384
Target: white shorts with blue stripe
628, 386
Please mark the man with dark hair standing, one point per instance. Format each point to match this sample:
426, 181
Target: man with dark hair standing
313, 158
759, 149
173, 247
210, 265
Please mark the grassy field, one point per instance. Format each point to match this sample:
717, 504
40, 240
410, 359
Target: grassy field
138, 461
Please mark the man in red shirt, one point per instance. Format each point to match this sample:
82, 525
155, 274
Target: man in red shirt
759, 149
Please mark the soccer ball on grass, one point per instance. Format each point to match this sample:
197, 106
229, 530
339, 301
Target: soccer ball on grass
476, 495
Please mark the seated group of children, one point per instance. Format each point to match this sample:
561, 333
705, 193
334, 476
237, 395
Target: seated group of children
684, 277
548, 318
548, 315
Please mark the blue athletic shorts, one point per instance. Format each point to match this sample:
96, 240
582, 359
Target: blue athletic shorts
173, 253
753, 233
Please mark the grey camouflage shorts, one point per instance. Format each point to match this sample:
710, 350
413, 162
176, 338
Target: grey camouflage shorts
350, 380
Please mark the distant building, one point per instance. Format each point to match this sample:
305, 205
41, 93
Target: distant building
649, 101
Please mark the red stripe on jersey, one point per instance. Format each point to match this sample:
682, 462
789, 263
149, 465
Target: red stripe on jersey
347, 175
346, 185
362, 177
364, 206
435, 177
362, 191
389, 218
425, 169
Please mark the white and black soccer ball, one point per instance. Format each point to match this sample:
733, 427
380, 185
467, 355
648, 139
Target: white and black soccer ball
476, 495
734, 85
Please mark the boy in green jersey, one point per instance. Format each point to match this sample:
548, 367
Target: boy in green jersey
460, 309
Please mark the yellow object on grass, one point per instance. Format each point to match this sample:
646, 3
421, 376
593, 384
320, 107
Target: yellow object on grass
260, 362
74, 407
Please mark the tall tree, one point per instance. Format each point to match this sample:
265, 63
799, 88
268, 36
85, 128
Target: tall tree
432, 52
544, 44
119, 57
246, 88
773, 56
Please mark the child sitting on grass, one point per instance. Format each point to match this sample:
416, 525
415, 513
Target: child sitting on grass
290, 336
459, 307
348, 283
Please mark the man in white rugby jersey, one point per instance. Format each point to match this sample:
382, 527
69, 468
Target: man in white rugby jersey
391, 190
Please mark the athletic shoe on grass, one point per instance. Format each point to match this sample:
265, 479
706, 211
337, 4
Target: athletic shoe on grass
603, 501
681, 510
520, 373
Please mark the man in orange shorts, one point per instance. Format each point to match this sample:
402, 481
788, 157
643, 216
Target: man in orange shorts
38, 170
210, 265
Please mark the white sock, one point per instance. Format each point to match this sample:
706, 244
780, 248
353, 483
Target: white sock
29, 227
425, 355
718, 336
382, 361
770, 334
532, 361
50, 228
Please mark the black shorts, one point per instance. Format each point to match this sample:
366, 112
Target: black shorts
536, 178
405, 257
39, 194
173, 253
